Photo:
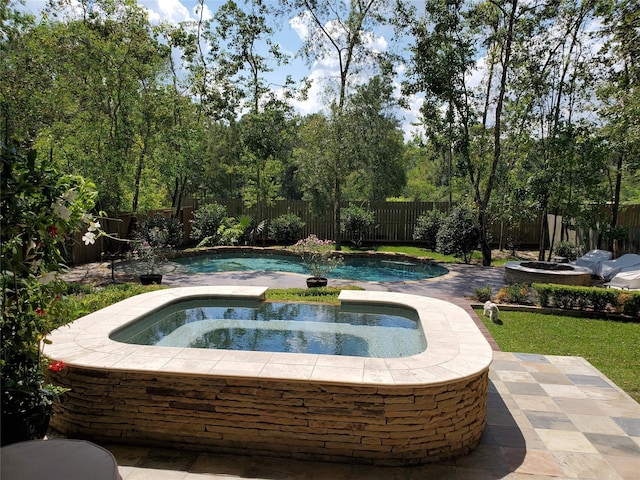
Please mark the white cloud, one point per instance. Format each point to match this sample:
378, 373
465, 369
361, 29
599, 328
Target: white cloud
314, 101
299, 24
411, 119
474, 77
206, 12
172, 11
375, 43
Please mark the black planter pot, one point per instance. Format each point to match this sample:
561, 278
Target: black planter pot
18, 427
315, 282
151, 278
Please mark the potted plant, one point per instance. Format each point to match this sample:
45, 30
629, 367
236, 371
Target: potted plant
40, 210
319, 256
151, 249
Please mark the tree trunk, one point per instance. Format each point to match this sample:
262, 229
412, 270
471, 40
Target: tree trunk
543, 235
337, 234
485, 248
615, 208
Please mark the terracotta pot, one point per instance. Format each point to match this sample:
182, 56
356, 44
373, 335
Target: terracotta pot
315, 282
151, 278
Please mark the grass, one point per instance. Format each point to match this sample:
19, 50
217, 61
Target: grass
611, 347
323, 294
408, 250
83, 299
498, 259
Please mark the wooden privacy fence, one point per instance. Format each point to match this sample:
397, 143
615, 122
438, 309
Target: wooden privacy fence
395, 223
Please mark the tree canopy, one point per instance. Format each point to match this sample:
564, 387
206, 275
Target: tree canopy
525, 109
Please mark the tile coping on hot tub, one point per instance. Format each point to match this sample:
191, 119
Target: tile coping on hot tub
455, 347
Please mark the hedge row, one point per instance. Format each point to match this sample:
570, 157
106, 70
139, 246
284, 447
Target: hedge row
587, 298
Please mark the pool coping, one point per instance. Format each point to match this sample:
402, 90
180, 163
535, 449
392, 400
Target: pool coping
456, 347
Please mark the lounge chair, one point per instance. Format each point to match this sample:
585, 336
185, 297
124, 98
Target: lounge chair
609, 269
593, 258
626, 279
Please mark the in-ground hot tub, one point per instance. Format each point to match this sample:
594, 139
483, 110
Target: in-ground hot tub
422, 408
546, 272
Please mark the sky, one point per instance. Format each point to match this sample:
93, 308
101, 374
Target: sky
289, 35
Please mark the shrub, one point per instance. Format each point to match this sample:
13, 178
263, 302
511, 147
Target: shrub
517, 294
483, 294
286, 229
355, 223
568, 250
458, 234
427, 227
576, 297
206, 222
251, 230
630, 303
148, 231
41, 207
229, 233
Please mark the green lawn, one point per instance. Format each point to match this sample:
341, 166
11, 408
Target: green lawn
476, 258
415, 251
611, 347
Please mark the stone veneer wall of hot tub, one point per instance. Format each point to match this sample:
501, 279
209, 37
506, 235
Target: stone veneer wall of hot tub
400, 411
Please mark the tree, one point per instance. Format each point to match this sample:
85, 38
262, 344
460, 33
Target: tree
442, 60
23, 69
619, 95
337, 30
104, 65
318, 157
376, 141
552, 79
458, 234
242, 35
266, 140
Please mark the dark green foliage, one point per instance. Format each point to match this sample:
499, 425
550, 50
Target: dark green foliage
84, 299
458, 234
576, 297
355, 223
40, 207
483, 294
286, 229
427, 227
568, 250
170, 227
207, 221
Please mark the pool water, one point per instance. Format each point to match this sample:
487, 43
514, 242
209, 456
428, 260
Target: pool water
364, 269
356, 330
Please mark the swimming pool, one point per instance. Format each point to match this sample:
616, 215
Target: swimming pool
368, 269
315, 328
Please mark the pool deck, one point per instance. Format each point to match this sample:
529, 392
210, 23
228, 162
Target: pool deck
549, 417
